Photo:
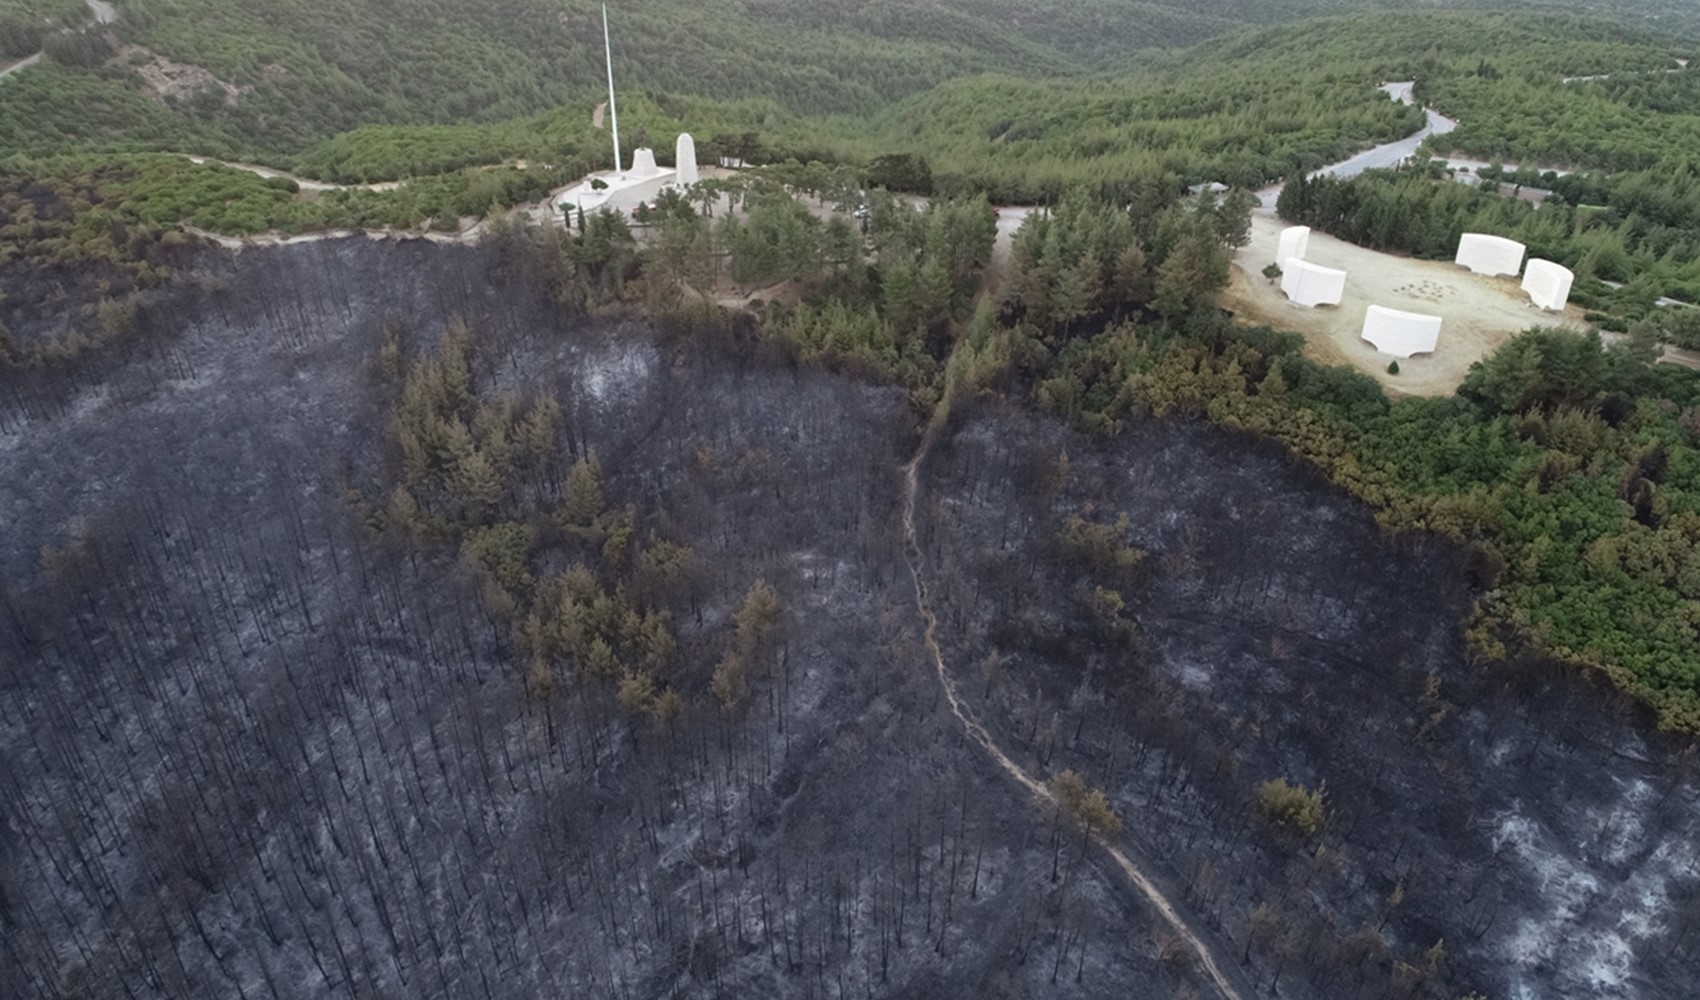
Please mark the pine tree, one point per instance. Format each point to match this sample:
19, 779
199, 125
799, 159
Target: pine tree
476, 483
1131, 284
584, 494
1075, 293
1183, 277
1233, 218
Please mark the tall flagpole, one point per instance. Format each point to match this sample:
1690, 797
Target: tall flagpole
613, 113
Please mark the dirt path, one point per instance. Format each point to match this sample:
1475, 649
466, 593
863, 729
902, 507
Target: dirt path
1010, 218
20, 64
983, 738
1681, 64
469, 233
302, 182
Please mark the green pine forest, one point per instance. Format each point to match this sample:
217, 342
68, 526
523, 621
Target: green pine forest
1566, 471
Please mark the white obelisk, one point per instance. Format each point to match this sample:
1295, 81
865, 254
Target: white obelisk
613, 113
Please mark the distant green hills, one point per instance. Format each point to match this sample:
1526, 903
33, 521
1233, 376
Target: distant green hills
267, 80
1019, 100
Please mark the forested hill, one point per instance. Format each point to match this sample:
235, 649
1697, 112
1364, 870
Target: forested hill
280, 73
1104, 32
459, 98
266, 79
1262, 104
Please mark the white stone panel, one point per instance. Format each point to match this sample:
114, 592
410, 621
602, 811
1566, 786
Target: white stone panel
1311, 284
1400, 333
1490, 255
685, 160
1547, 283
1295, 241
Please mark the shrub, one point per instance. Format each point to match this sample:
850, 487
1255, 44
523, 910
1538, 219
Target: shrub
1101, 549
1291, 806
1393, 368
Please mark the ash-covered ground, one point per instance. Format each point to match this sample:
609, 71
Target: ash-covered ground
1527, 821
252, 747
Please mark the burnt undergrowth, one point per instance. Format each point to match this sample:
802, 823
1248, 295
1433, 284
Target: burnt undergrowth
1487, 826
258, 744
259, 739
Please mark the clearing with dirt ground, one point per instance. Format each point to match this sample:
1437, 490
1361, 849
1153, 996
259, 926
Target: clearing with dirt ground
1480, 313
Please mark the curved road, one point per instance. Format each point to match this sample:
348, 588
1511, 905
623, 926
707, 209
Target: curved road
1388, 154
1393, 153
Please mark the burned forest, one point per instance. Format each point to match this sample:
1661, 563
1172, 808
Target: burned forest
377, 626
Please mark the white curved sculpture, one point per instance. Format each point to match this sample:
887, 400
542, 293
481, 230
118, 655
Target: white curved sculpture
1547, 283
685, 159
1311, 284
643, 163
1490, 255
1400, 333
1295, 240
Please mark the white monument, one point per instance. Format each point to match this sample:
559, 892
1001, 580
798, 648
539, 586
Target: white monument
643, 165
685, 159
1400, 333
623, 190
1490, 255
1547, 283
1311, 284
1295, 240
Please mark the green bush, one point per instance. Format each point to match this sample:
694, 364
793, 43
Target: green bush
1291, 806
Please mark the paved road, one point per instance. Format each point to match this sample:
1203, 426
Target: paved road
1391, 154
1663, 300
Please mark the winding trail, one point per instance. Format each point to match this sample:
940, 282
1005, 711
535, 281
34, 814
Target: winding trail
301, 182
23, 63
977, 732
